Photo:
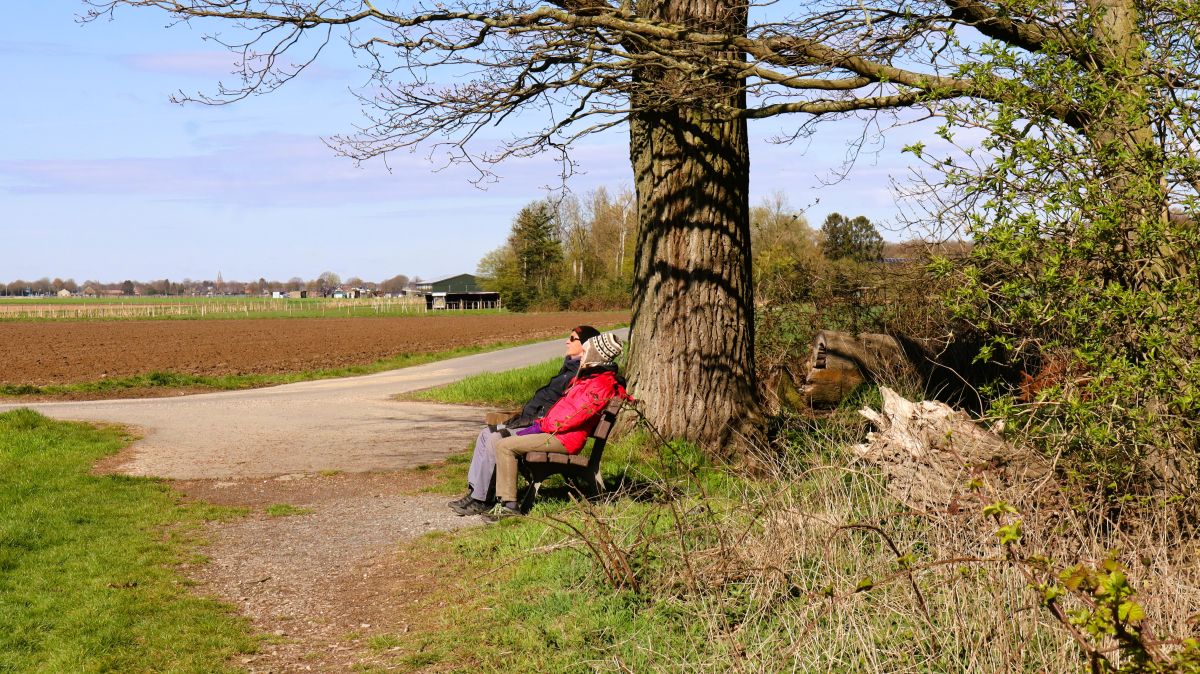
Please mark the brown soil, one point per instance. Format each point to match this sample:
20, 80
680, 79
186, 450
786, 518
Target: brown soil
63, 353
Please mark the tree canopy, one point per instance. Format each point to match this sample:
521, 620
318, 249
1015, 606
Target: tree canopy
527, 266
855, 238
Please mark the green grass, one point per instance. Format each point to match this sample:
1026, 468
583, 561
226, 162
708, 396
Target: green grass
140, 299
87, 563
286, 510
175, 380
499, 389
523, 596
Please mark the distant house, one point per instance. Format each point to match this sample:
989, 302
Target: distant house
64, 293
297, 294
89, 291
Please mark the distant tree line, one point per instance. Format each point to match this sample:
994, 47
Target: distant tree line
574, 253
577, 253
323, 285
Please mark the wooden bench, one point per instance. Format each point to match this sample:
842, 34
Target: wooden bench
577, 468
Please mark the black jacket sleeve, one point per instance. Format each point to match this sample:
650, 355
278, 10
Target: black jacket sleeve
546, 396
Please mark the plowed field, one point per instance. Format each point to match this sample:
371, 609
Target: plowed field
69, 352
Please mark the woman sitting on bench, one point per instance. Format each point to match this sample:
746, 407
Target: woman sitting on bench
567, 425
482, 472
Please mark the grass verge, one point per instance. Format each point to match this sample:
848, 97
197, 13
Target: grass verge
499, 389
87, 563
157, 307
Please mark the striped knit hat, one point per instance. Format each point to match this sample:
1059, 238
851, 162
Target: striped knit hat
601, 349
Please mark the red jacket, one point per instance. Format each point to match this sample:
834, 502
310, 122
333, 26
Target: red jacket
575, 415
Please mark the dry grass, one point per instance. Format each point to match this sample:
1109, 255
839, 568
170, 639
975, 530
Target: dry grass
820, 570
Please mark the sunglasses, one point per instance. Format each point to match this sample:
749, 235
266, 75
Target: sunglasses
573, 338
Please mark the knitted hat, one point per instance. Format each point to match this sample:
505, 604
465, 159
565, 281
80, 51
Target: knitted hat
601, 349
585, 332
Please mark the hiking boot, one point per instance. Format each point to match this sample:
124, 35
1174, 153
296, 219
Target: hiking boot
462, 501
510, 509
471, 507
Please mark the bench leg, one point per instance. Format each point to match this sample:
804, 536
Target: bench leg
531, 493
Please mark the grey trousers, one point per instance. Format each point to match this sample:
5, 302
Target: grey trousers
481, 475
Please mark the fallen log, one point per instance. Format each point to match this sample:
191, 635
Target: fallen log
840, 362
930, 452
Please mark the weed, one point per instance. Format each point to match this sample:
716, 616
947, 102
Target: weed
499, 389
286, 510
382, 642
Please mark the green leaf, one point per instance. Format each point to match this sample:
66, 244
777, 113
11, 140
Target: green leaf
1010, 534
999, 508
1130, 612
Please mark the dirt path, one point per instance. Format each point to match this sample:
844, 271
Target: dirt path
326, 584
326, 581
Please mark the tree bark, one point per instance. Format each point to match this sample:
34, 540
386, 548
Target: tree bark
692, 337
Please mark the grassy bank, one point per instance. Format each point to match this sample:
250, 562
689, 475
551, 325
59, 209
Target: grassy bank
211, 308
501, 389
87, 579
685, 568
803, 564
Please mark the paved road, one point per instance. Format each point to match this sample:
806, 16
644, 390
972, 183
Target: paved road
348, 424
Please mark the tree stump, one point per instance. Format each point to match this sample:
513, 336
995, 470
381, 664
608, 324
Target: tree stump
929, 452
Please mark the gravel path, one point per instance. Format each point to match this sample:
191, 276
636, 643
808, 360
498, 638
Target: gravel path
349, 424
326, 580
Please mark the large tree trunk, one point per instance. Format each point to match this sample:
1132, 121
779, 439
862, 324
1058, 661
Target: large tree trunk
692, 350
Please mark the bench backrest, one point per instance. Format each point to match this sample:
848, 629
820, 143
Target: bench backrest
608, 419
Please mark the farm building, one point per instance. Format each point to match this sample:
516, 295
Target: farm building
458, 292
463, 283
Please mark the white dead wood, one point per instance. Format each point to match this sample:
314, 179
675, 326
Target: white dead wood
930, 452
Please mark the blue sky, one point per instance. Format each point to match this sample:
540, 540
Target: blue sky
102, 177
